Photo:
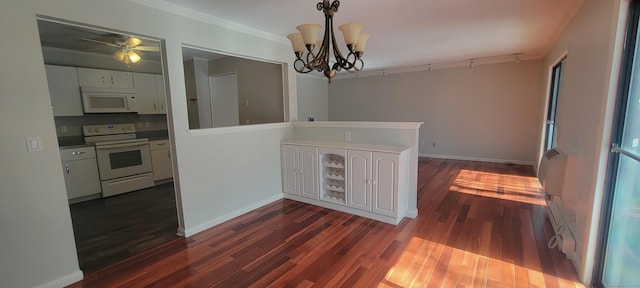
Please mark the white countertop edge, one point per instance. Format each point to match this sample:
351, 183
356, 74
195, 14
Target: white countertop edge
356, 124
237, 129
347, 145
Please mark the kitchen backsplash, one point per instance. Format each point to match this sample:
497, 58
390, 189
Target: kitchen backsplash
71, 126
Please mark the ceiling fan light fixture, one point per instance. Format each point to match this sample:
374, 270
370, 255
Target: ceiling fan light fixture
132, 42
133, 56
119, 55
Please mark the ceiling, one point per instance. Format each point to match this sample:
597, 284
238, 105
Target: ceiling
410, 32
404, 33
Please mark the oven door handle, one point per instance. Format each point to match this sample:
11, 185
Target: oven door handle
126, 145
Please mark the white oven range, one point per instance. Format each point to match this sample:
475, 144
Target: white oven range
124, 161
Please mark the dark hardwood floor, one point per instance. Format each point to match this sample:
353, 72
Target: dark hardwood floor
479, 225
108, 230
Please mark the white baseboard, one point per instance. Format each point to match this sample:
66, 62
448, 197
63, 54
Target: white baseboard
412, 213
180, 231
213, 222
479, 159
64, 281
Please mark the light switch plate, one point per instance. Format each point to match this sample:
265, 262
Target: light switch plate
34, 144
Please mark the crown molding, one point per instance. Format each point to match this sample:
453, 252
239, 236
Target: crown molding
197, 15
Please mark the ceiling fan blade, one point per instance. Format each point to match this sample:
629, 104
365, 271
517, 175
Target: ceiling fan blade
101, 42
147, 48
132, 42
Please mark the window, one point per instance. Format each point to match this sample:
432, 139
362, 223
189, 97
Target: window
551, 131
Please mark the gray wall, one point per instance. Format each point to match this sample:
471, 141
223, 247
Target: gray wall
260, 83
490, 112
313, 98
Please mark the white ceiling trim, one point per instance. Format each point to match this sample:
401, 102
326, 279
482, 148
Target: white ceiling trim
197, 15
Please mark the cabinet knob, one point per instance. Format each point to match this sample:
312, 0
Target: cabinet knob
67, 169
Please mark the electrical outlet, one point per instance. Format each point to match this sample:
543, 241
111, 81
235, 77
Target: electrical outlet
347, 136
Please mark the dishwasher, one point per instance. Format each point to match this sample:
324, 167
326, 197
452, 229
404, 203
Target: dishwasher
80, 173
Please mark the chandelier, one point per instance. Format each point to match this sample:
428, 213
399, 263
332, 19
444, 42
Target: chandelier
320, 59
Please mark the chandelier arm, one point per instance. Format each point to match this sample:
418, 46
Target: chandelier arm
303, 68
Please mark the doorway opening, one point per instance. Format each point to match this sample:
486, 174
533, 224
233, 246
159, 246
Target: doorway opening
109, 228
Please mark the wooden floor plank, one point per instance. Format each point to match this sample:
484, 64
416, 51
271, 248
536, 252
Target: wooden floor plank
479, 225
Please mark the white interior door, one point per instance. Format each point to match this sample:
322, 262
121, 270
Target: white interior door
223, 89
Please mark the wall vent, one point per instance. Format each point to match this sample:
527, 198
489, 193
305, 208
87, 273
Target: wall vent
551, 175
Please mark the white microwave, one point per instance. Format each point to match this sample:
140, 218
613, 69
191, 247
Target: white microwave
108, 100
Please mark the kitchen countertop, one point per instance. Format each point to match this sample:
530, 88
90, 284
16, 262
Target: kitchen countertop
154, 135
66, 142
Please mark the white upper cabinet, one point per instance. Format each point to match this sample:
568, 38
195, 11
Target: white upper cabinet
104, 78
150, 93
64, 90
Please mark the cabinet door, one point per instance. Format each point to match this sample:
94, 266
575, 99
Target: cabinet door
81, 177
64, 90
104, 78
161, 163
385, 183
160, 95
290, 169
309, 171
359, 179
121, 79
145, 86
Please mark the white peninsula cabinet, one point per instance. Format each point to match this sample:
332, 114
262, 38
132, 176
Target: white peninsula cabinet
365, 180
299, 171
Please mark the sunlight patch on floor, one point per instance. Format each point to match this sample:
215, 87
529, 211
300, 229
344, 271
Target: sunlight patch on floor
425, 263
501, 186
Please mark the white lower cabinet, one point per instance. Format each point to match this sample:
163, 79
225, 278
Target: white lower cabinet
385, 185
161, 159
300, 171
80, 172
369, 181
359, 175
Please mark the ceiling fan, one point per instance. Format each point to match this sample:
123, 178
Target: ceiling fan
127, 49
